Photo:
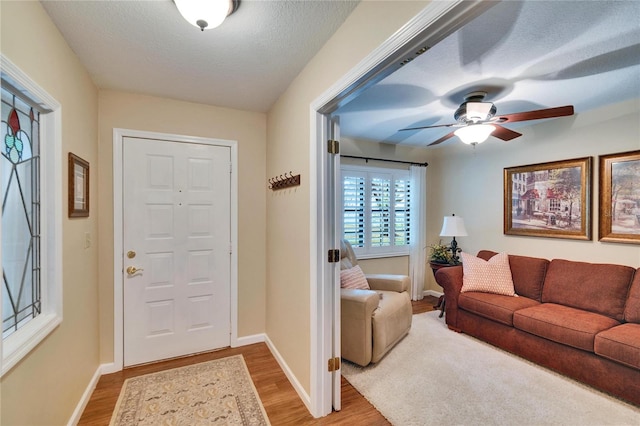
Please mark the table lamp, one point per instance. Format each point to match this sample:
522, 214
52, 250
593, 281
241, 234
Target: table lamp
451, 227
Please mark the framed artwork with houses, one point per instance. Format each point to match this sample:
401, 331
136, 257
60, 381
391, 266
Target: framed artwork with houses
549, 199
619, 187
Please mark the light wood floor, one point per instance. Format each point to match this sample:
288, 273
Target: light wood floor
280, 400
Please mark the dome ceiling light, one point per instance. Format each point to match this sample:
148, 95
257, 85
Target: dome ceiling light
206, 14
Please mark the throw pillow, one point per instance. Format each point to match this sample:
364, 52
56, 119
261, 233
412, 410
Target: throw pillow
488, 276
353, 278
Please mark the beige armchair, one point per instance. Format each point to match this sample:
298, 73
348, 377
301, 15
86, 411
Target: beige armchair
373, 321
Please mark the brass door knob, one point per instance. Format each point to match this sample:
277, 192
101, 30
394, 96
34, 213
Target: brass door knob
132, 270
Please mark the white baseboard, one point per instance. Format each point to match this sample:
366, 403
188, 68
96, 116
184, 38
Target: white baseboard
84, 400
432, 293
109, 368
306, 399
248, 340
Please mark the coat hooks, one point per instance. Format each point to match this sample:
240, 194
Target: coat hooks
284, 181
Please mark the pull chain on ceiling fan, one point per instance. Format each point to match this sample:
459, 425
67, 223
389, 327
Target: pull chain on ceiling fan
477, 121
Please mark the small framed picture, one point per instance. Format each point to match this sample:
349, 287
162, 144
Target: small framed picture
549, 200
78, 186
620, 198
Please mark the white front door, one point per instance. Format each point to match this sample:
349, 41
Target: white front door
176, 248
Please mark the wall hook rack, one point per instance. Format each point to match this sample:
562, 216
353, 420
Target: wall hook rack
284, 181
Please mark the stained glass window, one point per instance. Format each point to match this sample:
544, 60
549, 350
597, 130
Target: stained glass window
20, 180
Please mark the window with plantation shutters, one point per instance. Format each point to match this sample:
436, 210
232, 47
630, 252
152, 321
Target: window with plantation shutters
376, 210
353, 190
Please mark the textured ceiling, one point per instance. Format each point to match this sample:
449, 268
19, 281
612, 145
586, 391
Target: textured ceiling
526, 55
246, 63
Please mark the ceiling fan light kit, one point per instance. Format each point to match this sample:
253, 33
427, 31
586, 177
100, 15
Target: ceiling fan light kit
206, 14
475, 133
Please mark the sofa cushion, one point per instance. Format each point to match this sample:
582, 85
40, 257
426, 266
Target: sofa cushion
621, 344
494, 306
632, 308
489, 276
353, 278
599, 288
563, 324
527, 273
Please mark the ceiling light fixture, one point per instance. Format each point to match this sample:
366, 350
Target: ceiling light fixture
206, 13
474, 134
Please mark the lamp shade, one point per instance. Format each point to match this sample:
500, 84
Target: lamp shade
204, 14
453, 226
474, 133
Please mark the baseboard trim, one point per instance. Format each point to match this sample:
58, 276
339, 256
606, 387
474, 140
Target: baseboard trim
84, 400
306, 399
432, 293
248, 340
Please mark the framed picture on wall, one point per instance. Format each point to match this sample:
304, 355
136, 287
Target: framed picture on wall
620, 198
78, 186
549, 199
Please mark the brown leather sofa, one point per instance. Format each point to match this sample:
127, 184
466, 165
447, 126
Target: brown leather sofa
373, 321
579, 319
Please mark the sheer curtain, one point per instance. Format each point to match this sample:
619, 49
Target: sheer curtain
417, 237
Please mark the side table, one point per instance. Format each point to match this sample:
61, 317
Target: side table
441, 301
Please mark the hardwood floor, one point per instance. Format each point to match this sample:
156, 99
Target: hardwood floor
280, 400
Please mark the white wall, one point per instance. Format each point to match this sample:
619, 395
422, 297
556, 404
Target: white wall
468, 181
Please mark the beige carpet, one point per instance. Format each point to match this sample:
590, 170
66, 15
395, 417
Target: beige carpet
216, 392
437, 377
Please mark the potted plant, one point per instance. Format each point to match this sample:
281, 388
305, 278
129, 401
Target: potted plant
441, 254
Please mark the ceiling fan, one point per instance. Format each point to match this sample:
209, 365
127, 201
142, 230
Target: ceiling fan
476, 120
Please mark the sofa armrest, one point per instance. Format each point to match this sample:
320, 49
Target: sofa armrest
386, 282
450, 279
356, 310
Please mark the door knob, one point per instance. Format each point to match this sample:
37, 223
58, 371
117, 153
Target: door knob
132, 270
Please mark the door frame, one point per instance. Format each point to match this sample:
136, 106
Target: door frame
118, 264
435, 22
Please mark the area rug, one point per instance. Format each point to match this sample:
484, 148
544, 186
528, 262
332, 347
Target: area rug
438, 377
218, 392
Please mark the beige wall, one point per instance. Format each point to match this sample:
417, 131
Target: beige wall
289, 149
137, 112
469, 182
46, 386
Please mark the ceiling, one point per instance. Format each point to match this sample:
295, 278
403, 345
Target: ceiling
246, 63
525, 55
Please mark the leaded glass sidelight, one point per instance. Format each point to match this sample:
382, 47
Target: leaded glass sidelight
20, 170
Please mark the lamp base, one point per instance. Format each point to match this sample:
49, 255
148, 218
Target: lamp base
454, 251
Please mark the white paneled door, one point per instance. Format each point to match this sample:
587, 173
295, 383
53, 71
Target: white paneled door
176, 248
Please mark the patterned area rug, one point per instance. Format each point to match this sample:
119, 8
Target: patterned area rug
218, 392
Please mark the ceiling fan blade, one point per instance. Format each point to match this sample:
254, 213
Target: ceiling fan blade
539, 114
504, 133
430, 127
442, 139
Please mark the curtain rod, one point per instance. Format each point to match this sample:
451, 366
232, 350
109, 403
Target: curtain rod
384, 159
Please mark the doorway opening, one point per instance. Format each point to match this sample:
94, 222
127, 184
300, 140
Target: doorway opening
431, 25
